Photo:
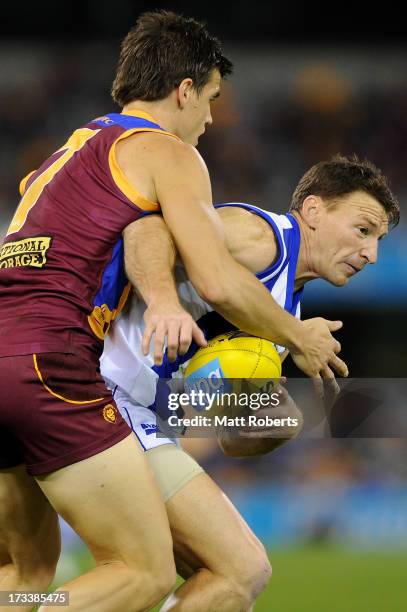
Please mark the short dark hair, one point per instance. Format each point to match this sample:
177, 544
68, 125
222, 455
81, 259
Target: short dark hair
342, 175
160, 51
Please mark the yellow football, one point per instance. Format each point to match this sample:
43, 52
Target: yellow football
235, 355
233, 366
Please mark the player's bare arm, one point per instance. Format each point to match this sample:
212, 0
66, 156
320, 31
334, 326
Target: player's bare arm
150, 256
149, 260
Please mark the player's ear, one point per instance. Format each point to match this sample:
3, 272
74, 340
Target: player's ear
311, 211
184, 92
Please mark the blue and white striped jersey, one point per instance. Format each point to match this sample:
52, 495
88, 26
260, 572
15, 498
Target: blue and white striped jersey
123, 363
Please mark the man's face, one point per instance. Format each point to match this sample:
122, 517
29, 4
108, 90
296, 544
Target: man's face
347, 236
196, 113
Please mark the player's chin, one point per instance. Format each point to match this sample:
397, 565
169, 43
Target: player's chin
338, 280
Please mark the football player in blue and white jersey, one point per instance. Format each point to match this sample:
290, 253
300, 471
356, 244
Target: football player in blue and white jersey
339, 212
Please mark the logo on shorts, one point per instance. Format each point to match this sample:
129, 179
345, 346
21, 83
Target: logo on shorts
109, 413
149, 428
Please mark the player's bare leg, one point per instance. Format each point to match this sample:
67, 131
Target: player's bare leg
29, 535
229, 563
112, 501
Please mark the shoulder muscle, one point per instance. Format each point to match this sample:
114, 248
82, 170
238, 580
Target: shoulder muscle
250, 239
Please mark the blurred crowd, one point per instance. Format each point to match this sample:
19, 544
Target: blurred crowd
269, 127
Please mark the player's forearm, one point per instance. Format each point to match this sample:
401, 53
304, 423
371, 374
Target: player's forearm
263, 318
149, 259
244, 301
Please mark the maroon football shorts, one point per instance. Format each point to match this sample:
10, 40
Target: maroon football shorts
55, 410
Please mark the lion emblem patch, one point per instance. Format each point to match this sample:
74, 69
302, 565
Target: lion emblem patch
110, 413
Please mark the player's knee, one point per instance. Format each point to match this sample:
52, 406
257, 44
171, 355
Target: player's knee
258, 576
262, 575
161, 568
164, 582
157, 582
159, 572
163, 575
251, 573
246, 578
153, 573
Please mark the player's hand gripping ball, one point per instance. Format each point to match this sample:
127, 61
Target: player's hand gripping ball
237, 356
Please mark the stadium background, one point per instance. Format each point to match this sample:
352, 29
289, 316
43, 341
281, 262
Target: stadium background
309, 82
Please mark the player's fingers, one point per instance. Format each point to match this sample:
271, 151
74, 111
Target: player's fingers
173, 332
331, 381
198, 335
333, 387
282, 394
318, 385
337, 347
339, 366
327, 373
185, 336
159, 340
333, 325
146, 339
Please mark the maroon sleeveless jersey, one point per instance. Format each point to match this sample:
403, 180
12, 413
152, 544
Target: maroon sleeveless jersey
62, 277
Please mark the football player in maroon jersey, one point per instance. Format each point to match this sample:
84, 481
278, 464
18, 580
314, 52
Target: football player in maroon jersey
60, 289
